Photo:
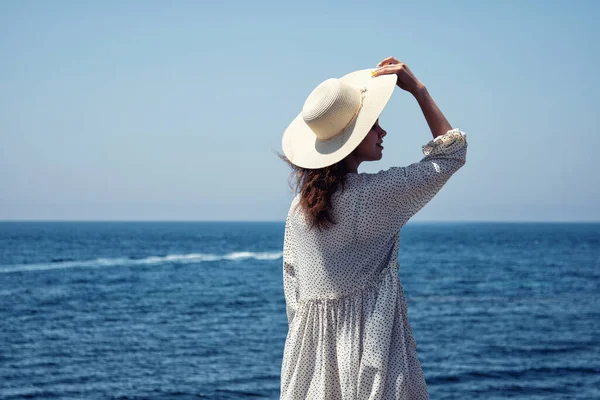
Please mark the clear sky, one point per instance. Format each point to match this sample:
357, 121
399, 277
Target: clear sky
142, 110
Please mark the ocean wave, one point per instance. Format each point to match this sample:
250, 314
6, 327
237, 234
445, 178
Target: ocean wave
124, 261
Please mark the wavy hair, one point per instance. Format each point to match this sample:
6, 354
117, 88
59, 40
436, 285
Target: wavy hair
316, 187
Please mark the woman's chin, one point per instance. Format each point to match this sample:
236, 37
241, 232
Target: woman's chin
375, 156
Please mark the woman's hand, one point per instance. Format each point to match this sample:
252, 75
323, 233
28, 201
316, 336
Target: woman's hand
406, 79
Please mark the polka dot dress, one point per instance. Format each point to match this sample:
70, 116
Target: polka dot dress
349, 336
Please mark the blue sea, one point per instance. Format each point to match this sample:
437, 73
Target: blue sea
176, 310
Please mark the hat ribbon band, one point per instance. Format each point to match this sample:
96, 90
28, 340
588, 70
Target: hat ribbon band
362, 98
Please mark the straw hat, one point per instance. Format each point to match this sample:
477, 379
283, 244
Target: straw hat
336, 117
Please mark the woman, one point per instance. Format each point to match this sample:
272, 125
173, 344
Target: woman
349, 335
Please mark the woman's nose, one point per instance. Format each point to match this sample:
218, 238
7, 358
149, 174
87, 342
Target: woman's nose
383, 132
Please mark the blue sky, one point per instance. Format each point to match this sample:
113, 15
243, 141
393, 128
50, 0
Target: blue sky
173, 110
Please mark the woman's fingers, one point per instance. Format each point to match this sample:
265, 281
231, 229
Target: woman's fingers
389, 60
386, 69
385, 61
377, 72
406, 80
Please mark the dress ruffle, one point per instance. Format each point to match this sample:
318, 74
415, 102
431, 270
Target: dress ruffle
441, 143
361, 288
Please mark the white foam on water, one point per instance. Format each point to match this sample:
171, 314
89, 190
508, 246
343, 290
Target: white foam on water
122, 261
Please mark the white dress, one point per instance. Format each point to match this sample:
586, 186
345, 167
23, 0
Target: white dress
349, 336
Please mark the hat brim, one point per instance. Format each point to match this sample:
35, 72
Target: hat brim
302, 147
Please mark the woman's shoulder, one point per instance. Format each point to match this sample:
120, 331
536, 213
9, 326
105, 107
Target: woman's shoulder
374, 177
294, 207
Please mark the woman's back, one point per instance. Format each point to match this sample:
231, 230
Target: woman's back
337, 260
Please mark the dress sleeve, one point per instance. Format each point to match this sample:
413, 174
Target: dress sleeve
391, 197
290, 284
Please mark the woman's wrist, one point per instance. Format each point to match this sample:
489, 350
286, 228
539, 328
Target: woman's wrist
420, 92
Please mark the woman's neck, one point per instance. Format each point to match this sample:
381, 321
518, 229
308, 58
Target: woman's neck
351, 164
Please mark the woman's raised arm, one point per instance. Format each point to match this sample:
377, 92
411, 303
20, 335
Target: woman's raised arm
438, 124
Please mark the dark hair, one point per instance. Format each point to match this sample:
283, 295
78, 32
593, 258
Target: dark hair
316, 186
